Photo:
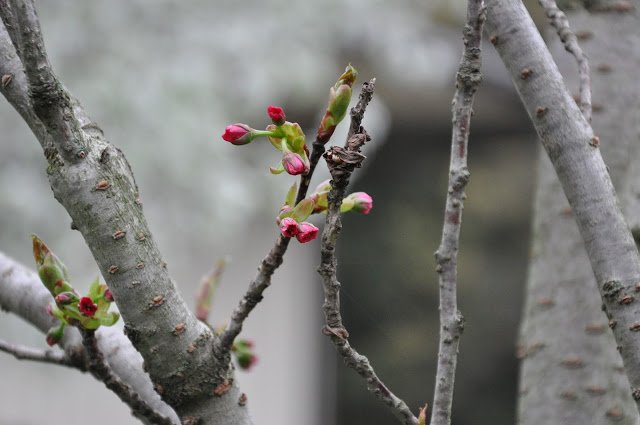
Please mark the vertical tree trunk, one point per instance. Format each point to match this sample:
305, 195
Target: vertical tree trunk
571, 371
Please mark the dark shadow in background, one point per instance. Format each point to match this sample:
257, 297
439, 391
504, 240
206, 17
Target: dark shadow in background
390, 299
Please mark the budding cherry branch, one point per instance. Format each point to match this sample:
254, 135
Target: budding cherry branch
188, 361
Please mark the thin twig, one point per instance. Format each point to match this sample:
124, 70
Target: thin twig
99, 368
342, 162
559, 21
274, 258
22, 352
451, 321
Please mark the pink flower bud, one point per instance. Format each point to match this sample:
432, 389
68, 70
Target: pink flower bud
306, 232
50, 310
294, 164
87, 306
63, 298
288, 227
362, 202
237, 134
108, 295
276, 114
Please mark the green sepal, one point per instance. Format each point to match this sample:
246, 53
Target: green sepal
348, 77
291, 195
278, 169
96, 290
347, 204
55, 334
57, 313
110, 319
303, 210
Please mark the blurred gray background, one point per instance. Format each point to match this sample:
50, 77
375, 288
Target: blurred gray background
163, 78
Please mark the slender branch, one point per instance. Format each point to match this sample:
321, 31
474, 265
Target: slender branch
274, 258
341, 163
468, 80
573, 150
559, 21
102, 372
22, 352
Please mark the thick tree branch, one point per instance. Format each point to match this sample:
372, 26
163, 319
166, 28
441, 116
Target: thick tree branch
22, 352
573, 150
341, 163
559, 21
93, 181
22, 294
468, 80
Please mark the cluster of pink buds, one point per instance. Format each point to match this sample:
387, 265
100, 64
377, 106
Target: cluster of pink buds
285, 136
89, 312
291, 219
303, 232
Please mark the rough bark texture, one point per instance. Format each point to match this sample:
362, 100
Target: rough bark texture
573, 149
571, 371
468, 80
93, 181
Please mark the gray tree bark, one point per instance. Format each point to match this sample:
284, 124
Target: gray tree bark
571, 372
573, 149
93, 181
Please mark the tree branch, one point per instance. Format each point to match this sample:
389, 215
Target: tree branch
274, 258
559, 21
341, 163
468, 80
22, 294
51, 103
93, 181
22, 352
573, 150
102, 372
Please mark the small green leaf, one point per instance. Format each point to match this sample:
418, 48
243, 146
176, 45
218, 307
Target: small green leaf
291, 195
278, 169
303, 210
110, 319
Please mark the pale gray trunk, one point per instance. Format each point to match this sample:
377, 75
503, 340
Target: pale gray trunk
571, 372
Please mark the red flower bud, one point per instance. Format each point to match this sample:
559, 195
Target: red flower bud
294, 164
87, 306
108, 295
288, 227
306, 232
276, 114
237, 134
362, 202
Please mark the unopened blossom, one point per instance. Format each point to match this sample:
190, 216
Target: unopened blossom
288, 227
294, 164
237, 134
306, 232
276, 114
